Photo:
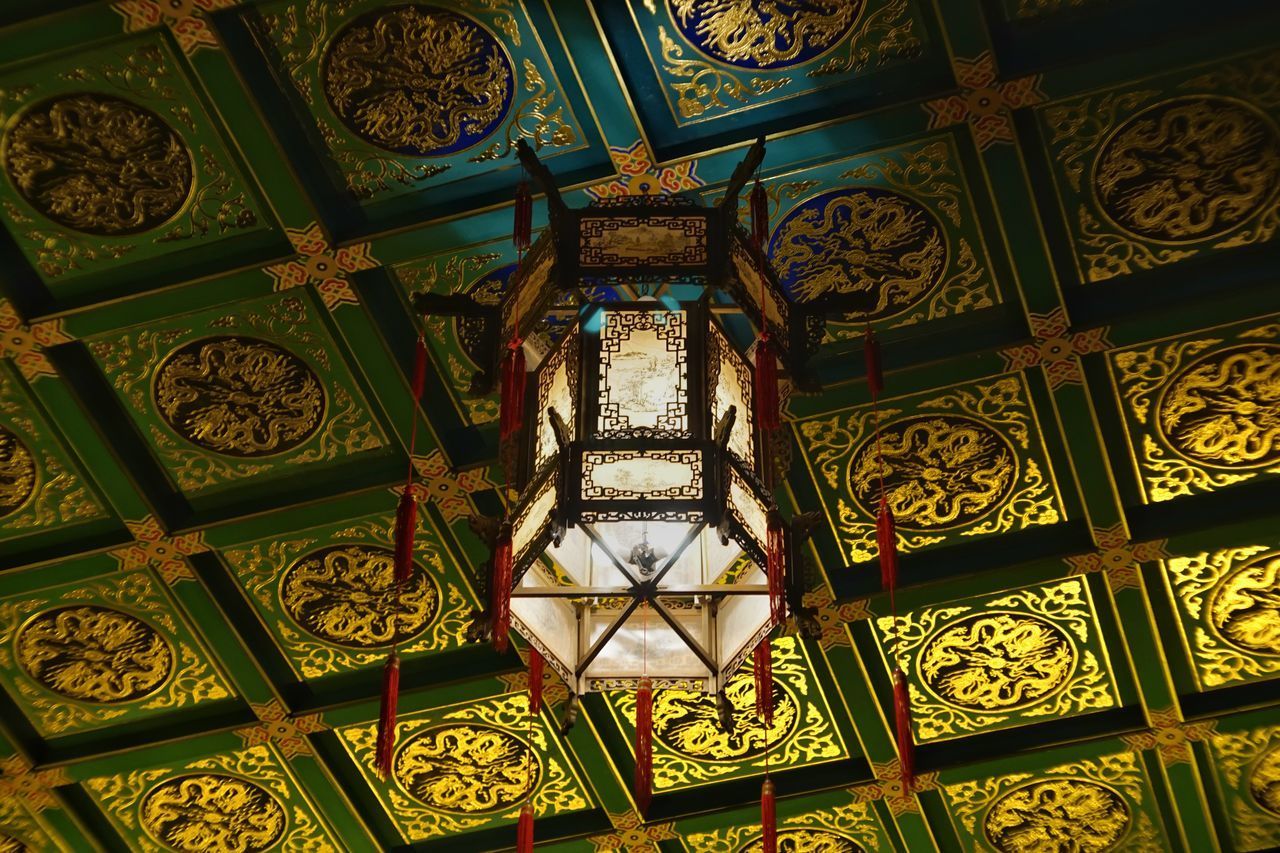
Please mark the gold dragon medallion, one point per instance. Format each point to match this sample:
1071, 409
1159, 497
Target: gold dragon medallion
1244, 607
1188, 169
861, 240
418, 80
940, 471
91, 653
17, 473
467, 768
1224, 409
808, 841
759, 34
347, 595
1058, 816
1264, 781
98, 164
996, 661
687, 722
213, 813
239, 396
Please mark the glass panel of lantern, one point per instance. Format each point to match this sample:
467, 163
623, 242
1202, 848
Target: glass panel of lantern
629, 495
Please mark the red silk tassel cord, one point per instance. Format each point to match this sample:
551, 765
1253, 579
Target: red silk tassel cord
405, 528
524, 829
887, 546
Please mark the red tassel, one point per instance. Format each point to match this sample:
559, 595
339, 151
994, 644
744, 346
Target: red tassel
535, 680
776, 553
511, 403
500, 594
419, 369
644, 745
523, 228
406, 526
875, 370
386, 742
759, 216
887, 544
766, 384
768, 818
902, 724
763, 669
524, 833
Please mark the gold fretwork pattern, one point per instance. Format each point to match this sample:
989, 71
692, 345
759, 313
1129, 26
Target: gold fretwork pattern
1228, 604
247, 800
967, 461
1000, 661
460, 768
852, 827
1248, 765
1154, 173
1202, 411
1102, 803
109, 651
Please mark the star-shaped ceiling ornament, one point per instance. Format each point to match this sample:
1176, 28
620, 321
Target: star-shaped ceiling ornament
288, 732
1118, 557
166, 554
984, 101
184, 18
321, 264
25, 344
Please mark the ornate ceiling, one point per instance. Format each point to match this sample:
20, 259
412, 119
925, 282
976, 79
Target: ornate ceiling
215, 214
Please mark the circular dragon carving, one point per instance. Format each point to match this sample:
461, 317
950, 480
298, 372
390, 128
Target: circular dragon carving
17, 473
467, 768
862, 240
94, 654
1244, 607
808, 841
347, 594
996, 661
239, 396
418, 80
1224, 409
1188, 169
1264, 781
209, 812
759, 34
687, 722
940, 471
98, 164
1058, 816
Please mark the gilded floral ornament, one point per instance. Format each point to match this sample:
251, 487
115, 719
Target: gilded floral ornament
286, 732
1000, 662
213, 811
99, 164
25, 344
1202, 411
322, 265
835, 826
239, 396
418, 80
1248, 765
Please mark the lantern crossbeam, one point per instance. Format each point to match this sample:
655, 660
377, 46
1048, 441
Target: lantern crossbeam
682, 591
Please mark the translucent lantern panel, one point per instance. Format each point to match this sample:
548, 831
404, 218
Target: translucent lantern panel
747, 509
557, 389
550, 623
645, 643
644, 547
641, 474
644, 372
740, 619
533, 518
574, 555
730, 381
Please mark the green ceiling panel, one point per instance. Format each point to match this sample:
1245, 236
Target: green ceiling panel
72, 121
107, 652
190, 386
326, 595
1245, 758
835, 822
